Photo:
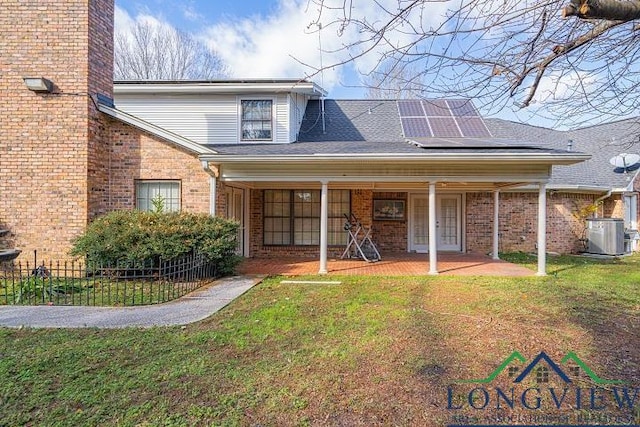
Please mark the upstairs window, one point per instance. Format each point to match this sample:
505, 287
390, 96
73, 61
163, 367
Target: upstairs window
163, 193
256, 120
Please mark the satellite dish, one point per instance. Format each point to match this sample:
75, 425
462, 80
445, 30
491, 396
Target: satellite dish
624, 160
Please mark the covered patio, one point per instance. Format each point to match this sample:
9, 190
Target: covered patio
405, 170
407, 264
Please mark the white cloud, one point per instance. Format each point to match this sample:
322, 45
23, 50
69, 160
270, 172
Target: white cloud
191, 14
562, 85
271, 46
285, 43
124, 22
280, 44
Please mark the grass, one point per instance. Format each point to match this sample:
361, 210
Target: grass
371, 351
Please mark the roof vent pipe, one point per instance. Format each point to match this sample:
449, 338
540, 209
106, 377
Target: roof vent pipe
324, 129
570, 145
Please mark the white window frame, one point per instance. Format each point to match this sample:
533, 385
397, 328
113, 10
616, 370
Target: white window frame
273, 117
175, 204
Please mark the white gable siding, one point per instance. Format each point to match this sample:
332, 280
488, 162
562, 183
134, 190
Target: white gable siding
282, 119
203, 119
298, 103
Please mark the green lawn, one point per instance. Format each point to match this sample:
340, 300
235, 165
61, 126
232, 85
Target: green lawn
371, 351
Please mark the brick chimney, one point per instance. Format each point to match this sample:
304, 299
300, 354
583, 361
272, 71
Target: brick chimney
52, 146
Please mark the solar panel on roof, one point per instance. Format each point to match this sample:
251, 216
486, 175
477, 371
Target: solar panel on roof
436, 107
444, 127
453, 118
462, 108
473, 127
410, 108
415, 127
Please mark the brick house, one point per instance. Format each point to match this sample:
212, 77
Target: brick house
277, 156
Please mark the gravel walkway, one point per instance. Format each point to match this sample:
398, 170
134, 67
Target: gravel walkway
195, 306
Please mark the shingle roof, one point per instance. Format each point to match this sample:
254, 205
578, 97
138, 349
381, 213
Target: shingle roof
373, 127
352, 120
602, 141
365, 127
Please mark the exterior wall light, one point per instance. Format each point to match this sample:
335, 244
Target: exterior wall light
38, 84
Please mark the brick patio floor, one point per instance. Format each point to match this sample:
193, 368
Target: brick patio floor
391, 265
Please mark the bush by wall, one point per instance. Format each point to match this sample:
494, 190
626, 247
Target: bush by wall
132, 237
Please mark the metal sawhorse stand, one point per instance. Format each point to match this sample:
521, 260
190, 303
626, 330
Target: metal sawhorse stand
359, 243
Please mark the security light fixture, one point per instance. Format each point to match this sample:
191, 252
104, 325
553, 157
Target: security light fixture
38, 84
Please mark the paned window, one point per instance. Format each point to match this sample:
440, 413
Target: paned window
165, 194
277, 217
256, 120
292, 217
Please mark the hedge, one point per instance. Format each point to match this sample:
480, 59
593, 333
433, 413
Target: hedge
133, 237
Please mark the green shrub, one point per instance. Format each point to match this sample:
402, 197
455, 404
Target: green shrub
132, 237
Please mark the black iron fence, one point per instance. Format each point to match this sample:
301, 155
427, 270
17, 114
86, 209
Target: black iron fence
82, 283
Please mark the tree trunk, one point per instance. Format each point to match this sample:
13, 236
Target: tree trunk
610, 10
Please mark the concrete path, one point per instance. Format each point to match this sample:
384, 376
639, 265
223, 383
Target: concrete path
195, 306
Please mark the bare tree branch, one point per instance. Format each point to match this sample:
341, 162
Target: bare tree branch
508, 54
610, 10
153, 52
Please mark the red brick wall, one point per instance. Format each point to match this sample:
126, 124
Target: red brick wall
135, 154
50, 141
519, 221
362, 206
390, 236
100, 71
613, 207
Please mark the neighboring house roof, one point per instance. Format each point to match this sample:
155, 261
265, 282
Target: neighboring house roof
602, 142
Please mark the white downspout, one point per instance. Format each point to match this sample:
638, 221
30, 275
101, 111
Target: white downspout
600, 199
496, 225
433, 236
324, 222
213, 184
542, 230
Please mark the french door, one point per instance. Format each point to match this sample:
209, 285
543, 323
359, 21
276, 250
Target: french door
448, 222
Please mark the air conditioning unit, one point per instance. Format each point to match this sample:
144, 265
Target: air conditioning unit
605, 236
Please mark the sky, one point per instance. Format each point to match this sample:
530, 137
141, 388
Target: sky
279, 39
255, 38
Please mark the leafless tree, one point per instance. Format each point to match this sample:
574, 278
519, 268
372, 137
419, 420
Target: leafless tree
155, 52
578, 58
393, 81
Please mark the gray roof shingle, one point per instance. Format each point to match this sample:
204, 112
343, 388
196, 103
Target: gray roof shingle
352, 120
373, 127
601, 141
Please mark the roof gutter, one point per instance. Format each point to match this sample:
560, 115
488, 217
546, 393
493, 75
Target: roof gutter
565, 159
568, 187
187, 87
